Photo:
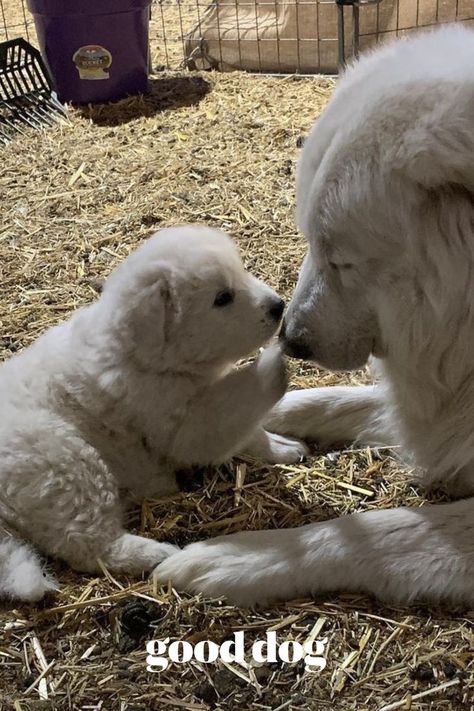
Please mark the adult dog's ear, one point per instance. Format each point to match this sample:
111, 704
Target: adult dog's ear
438, 149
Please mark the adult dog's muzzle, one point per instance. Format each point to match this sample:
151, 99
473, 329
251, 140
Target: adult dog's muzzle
294, 347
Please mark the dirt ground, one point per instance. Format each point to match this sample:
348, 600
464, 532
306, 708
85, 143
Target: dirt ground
75, 199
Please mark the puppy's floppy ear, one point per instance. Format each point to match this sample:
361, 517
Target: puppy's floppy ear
169, 306
157, 306
149, 307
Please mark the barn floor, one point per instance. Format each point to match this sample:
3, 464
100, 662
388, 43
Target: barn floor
76, 199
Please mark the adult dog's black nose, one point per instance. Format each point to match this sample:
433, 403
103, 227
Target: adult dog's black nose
296, 348
276, 309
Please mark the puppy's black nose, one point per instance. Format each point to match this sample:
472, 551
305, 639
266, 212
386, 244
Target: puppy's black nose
297, 349
276, 310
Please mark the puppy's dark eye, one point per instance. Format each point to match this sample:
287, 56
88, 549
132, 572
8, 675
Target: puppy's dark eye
224, 298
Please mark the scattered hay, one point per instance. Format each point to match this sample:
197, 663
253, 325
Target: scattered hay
76, 199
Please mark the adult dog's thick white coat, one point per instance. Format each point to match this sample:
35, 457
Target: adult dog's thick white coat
386, 201
130, 389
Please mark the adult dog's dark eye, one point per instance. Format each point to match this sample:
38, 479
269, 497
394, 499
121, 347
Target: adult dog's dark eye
335, 265
224, 298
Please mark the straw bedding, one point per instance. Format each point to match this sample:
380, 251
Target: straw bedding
218, 149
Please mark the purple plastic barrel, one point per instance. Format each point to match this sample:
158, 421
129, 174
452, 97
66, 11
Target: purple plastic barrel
96, 50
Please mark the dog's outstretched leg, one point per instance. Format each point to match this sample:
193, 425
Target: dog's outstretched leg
274, 448
135, 554
219, 422
330, 415
398, 555
22, 575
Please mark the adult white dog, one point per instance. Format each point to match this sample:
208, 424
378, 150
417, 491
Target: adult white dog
130, 389
386, 201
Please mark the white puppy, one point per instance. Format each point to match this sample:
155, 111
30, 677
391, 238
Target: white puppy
386, 201
130, 389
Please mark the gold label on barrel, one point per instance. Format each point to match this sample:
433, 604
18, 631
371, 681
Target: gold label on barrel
92, 61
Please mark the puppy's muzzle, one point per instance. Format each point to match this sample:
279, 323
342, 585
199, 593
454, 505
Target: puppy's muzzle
276, 310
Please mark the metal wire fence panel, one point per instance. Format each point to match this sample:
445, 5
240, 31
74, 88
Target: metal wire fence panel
284, 36
271, 36
278, 36
15, 21
394, 18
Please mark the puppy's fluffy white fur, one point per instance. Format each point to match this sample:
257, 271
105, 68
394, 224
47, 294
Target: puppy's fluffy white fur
130, 389
386, 201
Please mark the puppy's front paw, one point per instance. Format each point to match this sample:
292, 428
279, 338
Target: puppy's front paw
271, 371
134, 554
244, 568
30, 586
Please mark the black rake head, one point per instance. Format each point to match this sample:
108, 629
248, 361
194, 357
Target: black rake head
27, 98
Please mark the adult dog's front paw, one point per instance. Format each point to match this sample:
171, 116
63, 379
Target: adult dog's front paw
240, 567
286, 450
274, 449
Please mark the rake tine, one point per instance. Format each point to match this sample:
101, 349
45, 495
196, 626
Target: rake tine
38, 110
23, 109
25, 115
24, 119
53, 102
8, 121
52, 106
4, 136
52, 109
